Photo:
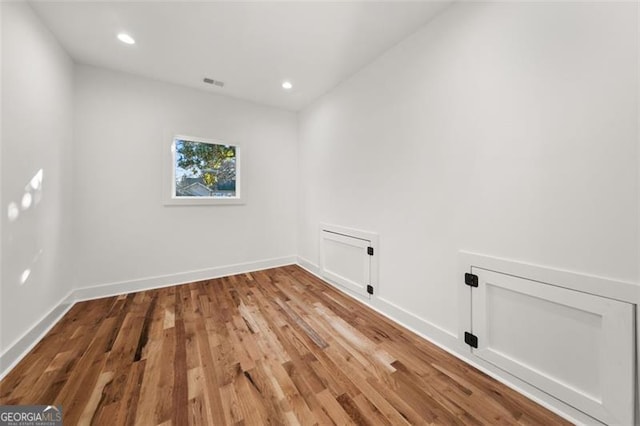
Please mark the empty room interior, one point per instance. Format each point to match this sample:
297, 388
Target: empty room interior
316, 213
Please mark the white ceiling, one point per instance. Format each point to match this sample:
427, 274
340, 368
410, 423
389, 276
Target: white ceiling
250, 46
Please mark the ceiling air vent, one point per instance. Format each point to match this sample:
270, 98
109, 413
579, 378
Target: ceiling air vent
214, 82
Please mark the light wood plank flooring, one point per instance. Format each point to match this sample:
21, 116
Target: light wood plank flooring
271, 347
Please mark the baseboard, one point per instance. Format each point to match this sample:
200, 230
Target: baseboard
437, 335
309, 266
131, 286
414, 322
16, 351
21, 347
449, 342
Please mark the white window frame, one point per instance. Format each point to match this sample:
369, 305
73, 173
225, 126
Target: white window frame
170, 197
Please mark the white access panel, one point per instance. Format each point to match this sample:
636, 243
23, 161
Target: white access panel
344, 261
575, 346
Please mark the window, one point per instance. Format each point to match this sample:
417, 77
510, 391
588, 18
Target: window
204, 172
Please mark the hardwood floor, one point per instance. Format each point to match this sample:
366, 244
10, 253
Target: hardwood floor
271, 347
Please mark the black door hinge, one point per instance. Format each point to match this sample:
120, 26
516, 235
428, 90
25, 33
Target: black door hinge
370, 289
470, 339
370, 251
471, 279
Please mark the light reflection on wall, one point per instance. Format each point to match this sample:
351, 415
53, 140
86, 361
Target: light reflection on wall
26, 200
13, 211
27, 272
25, 276
31, 197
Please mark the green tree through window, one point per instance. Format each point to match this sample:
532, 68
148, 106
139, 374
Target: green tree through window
205, 169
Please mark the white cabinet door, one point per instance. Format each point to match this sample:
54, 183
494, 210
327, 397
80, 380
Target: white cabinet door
344, 261
575, 346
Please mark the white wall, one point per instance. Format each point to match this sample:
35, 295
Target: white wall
122, 229
504, 129
37, 126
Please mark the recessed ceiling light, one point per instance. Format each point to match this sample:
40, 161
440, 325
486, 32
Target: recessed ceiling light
126, 38
286, 85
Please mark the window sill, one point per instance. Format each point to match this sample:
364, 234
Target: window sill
203, 201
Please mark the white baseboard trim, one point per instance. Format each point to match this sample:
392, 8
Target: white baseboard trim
450, 343
21, 347
406, 319
414, 322
436, 335
309, 266
131, 286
